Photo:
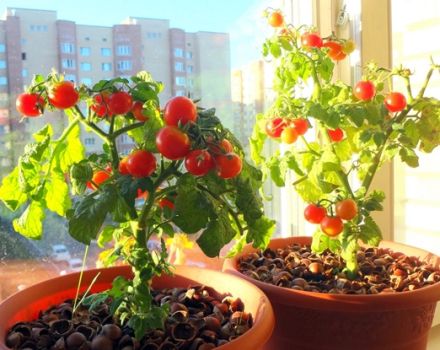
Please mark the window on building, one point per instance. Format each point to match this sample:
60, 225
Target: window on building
2, 47
178, 52
124, 65
38, 28
2, 64
178, 66
189, 55
104, 40
70, 77
86, 66
107, 67
190, 69
23, 56
68, 63
89, 141
67, 48
87, 81
24, 73
154, 35
180, 81
23, 41
106, 51
123, 50
180, 93
3, 80
190, 82
84, 51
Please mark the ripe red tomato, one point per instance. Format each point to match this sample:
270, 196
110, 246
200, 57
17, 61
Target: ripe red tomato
332, 226
138, 112
123, 170
364, 90
100, 105
335, 50
336, 135
165, 202
289, 135
180, 109
228, 165
63, 95
142, 194
141, 163
30, 105
346, 209
314, 213
275, 126
120, 102
301, 125
98, 178
276, 19
395, 102
199, 162
309, 40
224, 146
172, 143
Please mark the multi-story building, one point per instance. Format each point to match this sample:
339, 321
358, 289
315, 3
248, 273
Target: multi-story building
36, 41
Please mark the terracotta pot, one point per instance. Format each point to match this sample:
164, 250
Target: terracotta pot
312, 321
25, 305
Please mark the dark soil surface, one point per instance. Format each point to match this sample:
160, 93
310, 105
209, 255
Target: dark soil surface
198, 320
380, 271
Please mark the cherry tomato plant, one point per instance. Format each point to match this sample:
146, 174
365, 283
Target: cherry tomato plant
344, 131
185, 171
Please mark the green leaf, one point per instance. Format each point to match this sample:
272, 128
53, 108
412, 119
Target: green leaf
30, 223
260, 232
248, 201
106, 236
10, 191
88, 214
409, 157
320, 242
57, 194
277, 169
192, 208
146, 135
370, 232
275, 49
217, 234
70, 151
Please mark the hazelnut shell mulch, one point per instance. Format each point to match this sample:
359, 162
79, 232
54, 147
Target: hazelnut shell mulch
198, 320
297, 267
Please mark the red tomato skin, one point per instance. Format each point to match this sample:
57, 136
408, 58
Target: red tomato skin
120, 102
314, 213
172, 143
199, 162
395, 102
275, 126
141, 163
332, 226
336, 135
301, 125
309, 40
63, 95
180, 110
30, 105
364, 90
138, 112
228, 165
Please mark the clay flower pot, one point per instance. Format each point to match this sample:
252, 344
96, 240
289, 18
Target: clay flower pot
25, 305
308, 320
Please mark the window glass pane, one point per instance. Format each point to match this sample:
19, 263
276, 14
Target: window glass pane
84, 51
415, 41
86, 66
105, 51
106, 67
2, 64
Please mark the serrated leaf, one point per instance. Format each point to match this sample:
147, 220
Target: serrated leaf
10, 192
260, 232
30, 223
57, 194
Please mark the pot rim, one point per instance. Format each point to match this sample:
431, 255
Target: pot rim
264, 319
425, 295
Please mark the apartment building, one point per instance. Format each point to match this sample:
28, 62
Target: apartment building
36, 41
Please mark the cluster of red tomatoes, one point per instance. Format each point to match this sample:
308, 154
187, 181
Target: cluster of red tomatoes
62, 95
331, 225
287, 129
365, 90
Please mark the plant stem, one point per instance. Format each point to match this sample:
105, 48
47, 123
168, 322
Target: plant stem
125, 129
91, 125
223, 202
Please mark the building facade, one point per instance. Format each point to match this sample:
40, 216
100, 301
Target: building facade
36, 41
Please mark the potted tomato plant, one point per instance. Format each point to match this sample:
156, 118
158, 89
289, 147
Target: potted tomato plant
343, 288
185, 171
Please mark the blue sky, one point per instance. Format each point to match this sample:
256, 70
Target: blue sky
241, 18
